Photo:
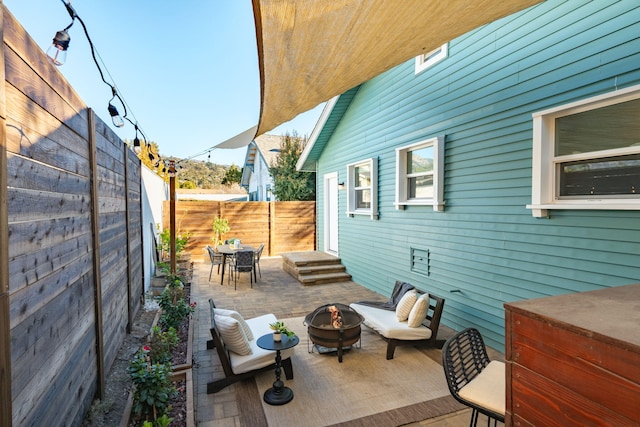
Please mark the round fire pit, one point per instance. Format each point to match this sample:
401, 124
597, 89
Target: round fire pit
333, 326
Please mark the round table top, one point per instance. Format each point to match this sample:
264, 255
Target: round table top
266, 342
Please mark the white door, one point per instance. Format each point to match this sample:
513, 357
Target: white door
331, 212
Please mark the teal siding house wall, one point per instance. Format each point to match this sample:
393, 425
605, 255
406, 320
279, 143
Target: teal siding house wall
486, 246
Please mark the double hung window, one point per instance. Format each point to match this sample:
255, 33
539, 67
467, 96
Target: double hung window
420, 174
586, 155
362, 185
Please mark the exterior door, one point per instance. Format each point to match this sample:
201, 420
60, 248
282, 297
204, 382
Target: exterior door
331, 213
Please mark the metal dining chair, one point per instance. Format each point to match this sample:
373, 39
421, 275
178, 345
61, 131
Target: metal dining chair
216, 259
473, 379
257, 257
243, 262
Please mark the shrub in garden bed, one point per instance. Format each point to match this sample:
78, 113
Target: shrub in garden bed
158, 397
153, 389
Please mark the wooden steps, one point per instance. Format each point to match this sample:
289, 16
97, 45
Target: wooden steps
314, 267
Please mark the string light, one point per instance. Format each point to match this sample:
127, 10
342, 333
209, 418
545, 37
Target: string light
57, 54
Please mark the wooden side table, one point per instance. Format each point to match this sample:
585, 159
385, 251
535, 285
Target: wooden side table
279, 394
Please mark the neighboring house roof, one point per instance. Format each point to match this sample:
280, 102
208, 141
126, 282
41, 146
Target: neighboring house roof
266, 147
329, 119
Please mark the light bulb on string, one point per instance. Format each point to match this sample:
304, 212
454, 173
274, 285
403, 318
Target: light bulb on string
57, 52
115, 116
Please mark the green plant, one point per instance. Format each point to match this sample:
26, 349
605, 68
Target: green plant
153, 387
163, 267
162, 421
220, 227
175, 281
282, 328
182, 239
174, 307
162, 344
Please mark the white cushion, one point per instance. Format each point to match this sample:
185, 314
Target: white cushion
238, 317
233, 335
488, 388
387, 324
419, 311
259, 357
406, 304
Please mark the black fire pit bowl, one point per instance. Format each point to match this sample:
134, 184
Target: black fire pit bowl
323, 333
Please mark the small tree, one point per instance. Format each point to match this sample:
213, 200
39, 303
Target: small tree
220, 227
233, 175
290, 184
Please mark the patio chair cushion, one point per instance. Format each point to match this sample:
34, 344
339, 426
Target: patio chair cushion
238, 317
387, 324
259, 357
419, 311
406, 304
233, 335
488, 388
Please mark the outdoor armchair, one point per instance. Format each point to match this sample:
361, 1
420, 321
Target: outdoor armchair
473, 379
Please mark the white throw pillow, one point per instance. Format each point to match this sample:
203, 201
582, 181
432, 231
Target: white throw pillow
419, 311
243, 323
233, 335
406, 304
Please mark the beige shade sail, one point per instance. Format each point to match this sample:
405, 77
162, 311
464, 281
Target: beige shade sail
312, 50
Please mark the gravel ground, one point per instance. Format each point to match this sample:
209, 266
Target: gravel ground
108, 411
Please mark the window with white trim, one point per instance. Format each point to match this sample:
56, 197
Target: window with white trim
429, 59
420, 174
586, 155
362, 187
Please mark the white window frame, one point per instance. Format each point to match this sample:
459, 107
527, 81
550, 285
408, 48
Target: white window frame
402, 199
545, 174
426, 60
352, 209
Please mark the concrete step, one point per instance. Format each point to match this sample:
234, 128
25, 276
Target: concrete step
321, 269
319, 279
314, 267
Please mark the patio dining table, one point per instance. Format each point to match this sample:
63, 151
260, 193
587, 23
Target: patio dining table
229, 250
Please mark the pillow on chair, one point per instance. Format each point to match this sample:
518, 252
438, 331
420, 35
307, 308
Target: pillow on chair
419, 311
233, 335
238, 317
406, 304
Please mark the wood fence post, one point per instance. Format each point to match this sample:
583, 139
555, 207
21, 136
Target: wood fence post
95, 232
272, 226
6, 414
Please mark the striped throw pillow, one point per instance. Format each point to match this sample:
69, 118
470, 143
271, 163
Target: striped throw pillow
419, 311
243, 323
406, 304
233, 335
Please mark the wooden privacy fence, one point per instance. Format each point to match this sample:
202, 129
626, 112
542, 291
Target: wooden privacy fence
70, 241
281, 226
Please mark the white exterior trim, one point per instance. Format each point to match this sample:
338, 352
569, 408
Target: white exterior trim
543, 182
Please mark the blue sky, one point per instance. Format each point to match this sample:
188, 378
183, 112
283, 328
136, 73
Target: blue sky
188, 71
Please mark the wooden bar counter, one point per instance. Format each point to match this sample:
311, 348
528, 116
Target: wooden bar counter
574, 360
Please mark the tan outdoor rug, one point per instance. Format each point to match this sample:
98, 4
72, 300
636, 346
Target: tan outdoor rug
365, 386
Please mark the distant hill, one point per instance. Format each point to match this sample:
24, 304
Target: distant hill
203, 174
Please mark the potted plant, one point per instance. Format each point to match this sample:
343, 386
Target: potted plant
220, 227
279, 328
